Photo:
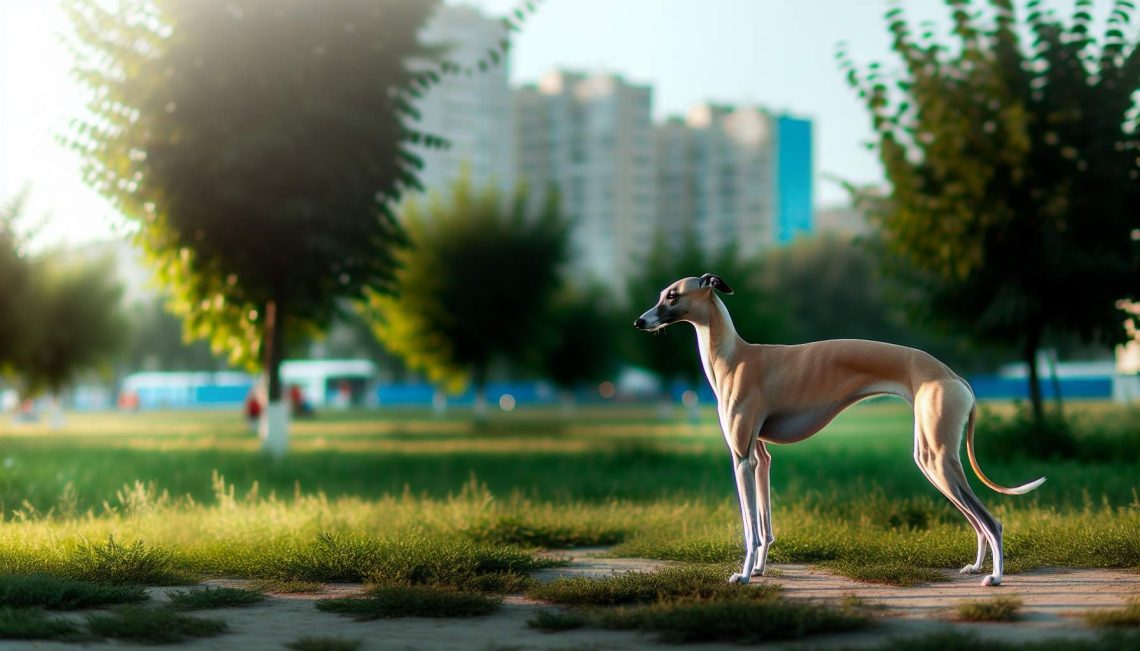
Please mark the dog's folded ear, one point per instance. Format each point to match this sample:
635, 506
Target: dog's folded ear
716, 282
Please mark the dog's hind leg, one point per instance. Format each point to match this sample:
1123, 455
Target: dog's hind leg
940, 414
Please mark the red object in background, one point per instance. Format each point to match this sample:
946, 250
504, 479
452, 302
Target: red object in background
296, 398
252, 406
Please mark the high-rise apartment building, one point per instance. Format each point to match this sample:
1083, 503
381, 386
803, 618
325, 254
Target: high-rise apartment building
589, 136
734, 176
473, 112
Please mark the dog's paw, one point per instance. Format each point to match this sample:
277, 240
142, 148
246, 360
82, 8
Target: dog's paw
970, 569
757, 572
738, 578
992, 579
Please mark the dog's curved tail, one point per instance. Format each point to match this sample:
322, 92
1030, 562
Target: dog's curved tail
1020, 490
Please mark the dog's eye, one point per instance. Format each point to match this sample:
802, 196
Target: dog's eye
671, 296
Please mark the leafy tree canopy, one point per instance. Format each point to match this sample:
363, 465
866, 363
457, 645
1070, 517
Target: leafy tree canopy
475, 286
1014, 171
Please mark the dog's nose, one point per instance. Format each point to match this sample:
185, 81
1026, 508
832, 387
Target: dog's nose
639, 323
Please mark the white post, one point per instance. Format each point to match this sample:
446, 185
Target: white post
273, 428
438, 402
481, 402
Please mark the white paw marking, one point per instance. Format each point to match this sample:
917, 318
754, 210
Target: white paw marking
970, 569
738, 578
991, 580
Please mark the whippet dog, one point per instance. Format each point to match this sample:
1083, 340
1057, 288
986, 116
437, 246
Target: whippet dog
784, 394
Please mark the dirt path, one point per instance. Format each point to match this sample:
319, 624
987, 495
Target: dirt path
1053, 599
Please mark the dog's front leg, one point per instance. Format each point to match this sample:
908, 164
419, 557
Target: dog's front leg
745, 469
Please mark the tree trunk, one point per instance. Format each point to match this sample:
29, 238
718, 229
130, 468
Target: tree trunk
1057, 398
1032, 341
274, 426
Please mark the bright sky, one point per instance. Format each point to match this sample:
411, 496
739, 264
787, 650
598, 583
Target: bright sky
777, 53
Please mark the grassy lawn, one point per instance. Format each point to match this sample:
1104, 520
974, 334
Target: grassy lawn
404, 498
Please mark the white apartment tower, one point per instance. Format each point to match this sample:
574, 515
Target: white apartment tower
473, 112
716, 171
589, 137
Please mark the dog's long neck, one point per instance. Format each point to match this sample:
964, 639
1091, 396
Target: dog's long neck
717, 342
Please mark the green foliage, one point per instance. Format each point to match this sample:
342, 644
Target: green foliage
412, 601
55, 593
34, 624
994, 609
1013, 171
1072, 436
75, 309
284, 586
888, 572
757, 315
15, 278
259, 145
204, 598
117, 564
1127, 617
579, 345
156, 342
324, 644
739, 620
476, 284
695, 582
152, 625
511, 530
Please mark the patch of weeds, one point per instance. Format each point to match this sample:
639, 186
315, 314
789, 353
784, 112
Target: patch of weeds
552, 621
737, 619
152, 625
204, 598
512, 530
412, 601
285, 586
324, 644
34, 624
458, 564
688, 581
852, 601
994, 609
1127, 617
55, 593
889, 573
118, 564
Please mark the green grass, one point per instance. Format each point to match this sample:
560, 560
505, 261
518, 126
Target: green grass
205, 598
55, 593
696, 582
412, 601
152, 625
402, 498
324, 644
993, 609
884, 571
34, 624
1126, 617
740, 620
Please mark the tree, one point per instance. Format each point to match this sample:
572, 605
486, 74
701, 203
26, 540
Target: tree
754, 314
259, 145
832, 288
475, 287
1014, 173
14, 281
156, 342
78, 322
581, 345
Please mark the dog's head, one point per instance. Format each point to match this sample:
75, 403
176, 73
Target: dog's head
688, 299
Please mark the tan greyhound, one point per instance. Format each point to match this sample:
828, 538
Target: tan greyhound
784, 394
